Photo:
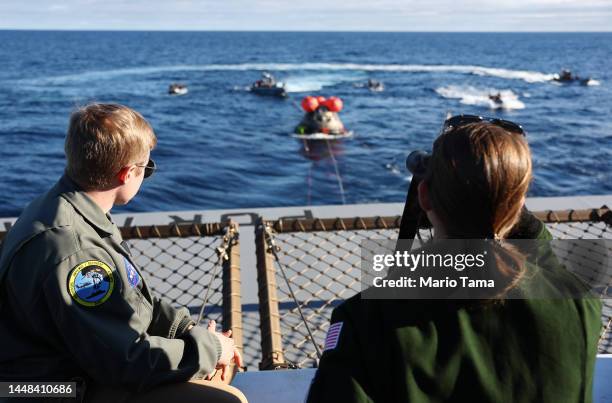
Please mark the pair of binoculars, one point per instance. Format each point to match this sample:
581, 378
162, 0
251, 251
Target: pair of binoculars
417, 161
413, 217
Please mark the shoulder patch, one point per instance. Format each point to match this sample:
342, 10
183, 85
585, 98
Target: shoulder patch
91, 283
333, 335
132, 273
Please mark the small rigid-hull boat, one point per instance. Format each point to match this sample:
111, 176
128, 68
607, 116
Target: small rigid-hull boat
372, 85
268, 86
496, 101
275, 91
177, 89
566, 77
376, 86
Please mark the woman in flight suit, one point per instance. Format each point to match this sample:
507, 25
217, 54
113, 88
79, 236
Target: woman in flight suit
507, 347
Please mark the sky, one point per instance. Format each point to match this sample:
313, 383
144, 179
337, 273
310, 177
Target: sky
309, 15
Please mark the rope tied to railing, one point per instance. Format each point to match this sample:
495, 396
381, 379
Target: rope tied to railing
155, 231
230, 237
379, 221
196, 230
273, 248
175, 230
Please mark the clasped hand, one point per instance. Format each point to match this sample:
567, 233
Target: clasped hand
229, 352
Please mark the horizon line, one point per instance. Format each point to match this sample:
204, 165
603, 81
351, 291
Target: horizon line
3, 29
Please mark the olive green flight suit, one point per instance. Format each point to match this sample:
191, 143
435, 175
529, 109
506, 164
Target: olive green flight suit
521, 350
74, 304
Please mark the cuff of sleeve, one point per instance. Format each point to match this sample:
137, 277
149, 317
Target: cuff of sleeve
209, 350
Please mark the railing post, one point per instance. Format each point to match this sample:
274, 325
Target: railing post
271, 335
232, 303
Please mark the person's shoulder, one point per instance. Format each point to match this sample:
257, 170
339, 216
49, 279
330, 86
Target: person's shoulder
347, 309
357, 308
350, 304
45, 213
46, 223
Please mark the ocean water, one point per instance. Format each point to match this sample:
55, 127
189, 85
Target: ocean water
223, 147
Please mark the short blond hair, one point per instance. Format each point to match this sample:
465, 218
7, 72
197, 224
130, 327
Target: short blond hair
102, 139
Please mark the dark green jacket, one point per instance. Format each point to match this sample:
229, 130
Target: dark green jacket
74, 304
521, 350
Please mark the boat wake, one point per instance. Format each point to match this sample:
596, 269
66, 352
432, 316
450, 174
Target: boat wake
316, 82
527, 76
469, 95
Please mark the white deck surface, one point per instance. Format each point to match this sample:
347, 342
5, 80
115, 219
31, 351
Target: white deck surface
291, 386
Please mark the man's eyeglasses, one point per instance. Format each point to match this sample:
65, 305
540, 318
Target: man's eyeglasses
462, 120
149, 168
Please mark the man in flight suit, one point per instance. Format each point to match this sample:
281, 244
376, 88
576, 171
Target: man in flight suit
73, 303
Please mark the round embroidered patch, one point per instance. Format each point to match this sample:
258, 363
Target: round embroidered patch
91, 283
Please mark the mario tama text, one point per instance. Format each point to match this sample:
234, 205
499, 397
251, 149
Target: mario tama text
423, 260
412, 260
477, 269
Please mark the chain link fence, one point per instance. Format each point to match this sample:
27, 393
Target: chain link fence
321, 258
195, 266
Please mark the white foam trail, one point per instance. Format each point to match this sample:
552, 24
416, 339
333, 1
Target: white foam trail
528, 76
393, 168
316, 82
469, 95
239, 88
592, 82
294, 85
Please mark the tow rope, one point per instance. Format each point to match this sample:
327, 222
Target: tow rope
331, 154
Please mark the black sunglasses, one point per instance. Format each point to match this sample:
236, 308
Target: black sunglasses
462, 120
149, 168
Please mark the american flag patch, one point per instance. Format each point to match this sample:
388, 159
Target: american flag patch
333, 335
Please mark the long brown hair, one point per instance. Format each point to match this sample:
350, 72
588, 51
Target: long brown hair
477, 180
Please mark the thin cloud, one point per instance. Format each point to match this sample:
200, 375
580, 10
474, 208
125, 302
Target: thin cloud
360, 15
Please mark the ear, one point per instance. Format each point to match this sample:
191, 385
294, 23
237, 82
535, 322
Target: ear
423, 195
122, 176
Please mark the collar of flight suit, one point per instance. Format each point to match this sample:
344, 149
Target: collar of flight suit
85, 206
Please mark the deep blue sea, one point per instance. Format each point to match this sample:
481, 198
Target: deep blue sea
223, 147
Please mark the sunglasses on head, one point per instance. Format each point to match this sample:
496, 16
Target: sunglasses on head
149, 168
462, 120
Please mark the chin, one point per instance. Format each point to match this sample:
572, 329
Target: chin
121, 202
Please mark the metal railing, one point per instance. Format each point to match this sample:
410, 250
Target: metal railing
322, 259
193, 265
187, 263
